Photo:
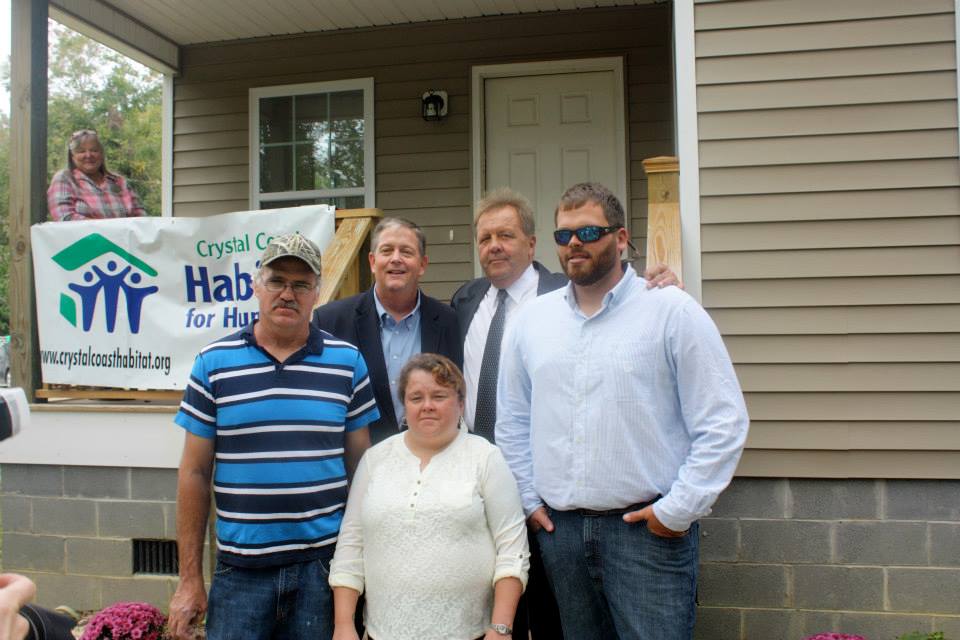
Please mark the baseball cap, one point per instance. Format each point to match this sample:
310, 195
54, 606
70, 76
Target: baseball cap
293, 245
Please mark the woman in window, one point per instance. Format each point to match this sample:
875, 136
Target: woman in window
434, 533
86, 190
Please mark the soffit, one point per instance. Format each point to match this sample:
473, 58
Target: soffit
186, 22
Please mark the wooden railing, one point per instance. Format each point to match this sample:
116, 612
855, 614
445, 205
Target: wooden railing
345, 273
345, 267
663, 212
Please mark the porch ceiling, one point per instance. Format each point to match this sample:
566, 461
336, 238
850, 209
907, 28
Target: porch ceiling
187, 22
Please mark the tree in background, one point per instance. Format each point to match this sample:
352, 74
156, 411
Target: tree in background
91, 87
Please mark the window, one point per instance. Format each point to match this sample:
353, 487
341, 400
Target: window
312, 144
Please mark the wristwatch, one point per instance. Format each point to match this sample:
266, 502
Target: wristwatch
501, 629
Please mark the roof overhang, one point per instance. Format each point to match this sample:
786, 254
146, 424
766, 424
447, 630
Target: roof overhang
152, 31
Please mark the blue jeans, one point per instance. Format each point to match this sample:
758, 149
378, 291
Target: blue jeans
618, 580
291, 601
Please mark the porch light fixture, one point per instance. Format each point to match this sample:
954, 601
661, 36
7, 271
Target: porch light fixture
433, 105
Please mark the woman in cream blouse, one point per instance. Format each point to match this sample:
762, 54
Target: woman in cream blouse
434, 533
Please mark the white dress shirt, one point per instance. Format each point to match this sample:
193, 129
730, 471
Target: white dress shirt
429, 545
604, 412
523, 289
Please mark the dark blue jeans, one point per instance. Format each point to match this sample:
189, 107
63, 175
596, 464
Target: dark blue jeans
291, 602
618, 580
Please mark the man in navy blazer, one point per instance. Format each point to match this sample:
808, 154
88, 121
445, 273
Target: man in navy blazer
394, 319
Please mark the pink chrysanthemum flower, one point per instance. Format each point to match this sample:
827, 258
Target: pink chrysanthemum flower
126, 621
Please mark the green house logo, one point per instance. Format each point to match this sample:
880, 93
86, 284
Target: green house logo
106, 284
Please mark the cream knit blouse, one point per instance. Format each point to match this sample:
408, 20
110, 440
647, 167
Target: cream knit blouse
429, 545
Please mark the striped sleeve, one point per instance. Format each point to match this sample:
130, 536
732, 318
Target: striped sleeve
362, 409
198, 411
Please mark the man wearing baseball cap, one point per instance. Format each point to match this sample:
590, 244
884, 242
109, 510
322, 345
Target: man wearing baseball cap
276, 414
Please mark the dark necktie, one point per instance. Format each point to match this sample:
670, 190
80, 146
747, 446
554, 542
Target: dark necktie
486, 416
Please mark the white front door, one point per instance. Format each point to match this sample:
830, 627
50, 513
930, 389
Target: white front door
544, 133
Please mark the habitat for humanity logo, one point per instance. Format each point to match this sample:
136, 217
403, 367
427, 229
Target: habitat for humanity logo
107, 283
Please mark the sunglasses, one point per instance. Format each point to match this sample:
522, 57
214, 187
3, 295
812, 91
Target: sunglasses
589, 233
83, 132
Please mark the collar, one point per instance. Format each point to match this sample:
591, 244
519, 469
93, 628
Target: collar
314, 344
521, 287
382, 311
619, 292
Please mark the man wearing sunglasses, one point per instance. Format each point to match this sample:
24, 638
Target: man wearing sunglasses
506, 242
622, 419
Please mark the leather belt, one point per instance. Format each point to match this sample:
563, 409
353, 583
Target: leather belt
594, 513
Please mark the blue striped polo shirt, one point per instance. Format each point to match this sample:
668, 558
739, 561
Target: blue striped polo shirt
280, 482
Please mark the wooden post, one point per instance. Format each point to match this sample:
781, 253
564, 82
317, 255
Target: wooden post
344, 259
663, 212
28, 180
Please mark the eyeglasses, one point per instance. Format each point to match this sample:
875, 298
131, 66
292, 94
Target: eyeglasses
589, 233
83, 132
299, 288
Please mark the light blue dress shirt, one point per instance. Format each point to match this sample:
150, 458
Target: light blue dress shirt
400, 341
639, 400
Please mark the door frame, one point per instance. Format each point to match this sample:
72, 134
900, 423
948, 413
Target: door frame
542, 68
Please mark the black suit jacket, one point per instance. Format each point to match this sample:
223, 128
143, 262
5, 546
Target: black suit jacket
355, 320
468, 297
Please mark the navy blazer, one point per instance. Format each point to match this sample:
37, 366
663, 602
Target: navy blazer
355, 320
467, 298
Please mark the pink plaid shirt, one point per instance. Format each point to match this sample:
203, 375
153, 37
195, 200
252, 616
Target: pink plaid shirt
82, 199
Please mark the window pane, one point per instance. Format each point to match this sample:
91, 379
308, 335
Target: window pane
346, 129
346, 104
276, 115
313, 166
346, 114
311, 114
346, 164
313, 142
276, 169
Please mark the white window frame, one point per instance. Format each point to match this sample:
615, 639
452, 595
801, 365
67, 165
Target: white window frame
368, 190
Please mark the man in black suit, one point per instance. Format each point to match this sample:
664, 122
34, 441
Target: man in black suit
506, 240
394, 319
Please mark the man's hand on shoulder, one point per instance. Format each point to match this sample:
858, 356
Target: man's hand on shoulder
656, 527
660, 276
540, 520
187, 608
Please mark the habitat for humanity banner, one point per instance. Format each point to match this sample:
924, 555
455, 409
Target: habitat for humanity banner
129, 302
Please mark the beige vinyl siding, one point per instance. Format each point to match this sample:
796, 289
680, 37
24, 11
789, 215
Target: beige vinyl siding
830, 210
422, 168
